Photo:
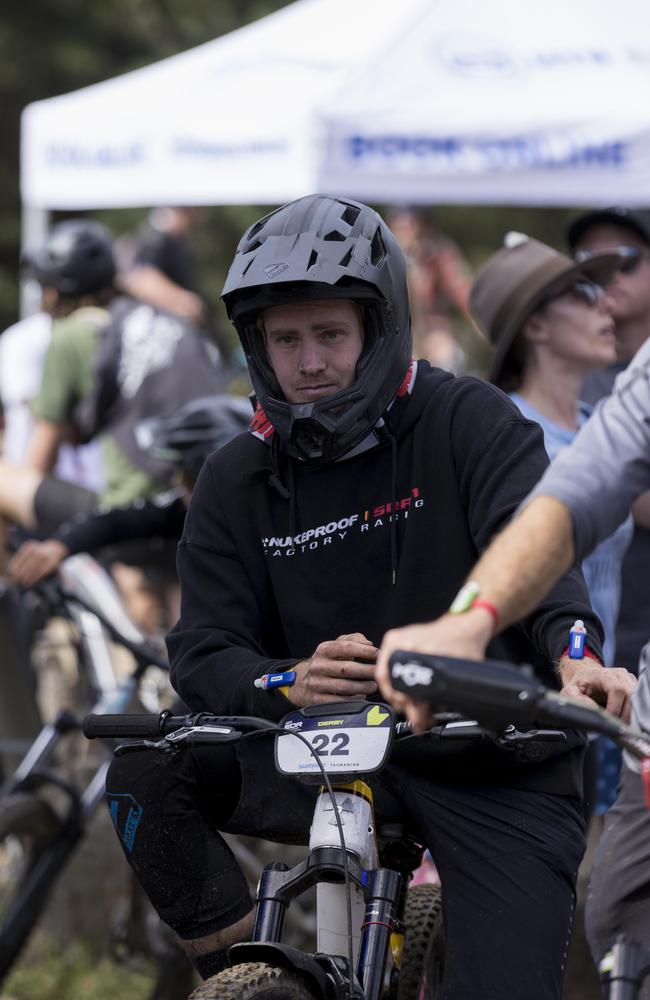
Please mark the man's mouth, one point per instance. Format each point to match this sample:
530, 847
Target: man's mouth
325, 389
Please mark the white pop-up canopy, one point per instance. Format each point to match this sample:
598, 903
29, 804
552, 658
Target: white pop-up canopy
422, 101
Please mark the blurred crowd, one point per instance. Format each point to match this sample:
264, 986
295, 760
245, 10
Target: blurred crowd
123, 337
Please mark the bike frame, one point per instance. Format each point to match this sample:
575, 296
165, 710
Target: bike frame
377, 903
354, 891
85, 580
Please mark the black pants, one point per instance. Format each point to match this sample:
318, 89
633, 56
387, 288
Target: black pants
619, 889
507, 859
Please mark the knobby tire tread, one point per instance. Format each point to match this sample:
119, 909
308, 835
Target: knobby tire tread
254, 981
423, 944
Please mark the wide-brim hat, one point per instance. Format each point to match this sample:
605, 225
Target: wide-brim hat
514, 282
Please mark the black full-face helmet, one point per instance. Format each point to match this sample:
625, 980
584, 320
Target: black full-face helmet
189, 434
76, 259
321, 247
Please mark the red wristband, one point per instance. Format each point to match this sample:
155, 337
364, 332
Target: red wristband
480, 602
587, 652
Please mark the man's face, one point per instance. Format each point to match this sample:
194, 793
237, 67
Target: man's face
629, 289
313, 347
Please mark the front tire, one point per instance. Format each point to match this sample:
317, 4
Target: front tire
254, 981
27, 826
422, 965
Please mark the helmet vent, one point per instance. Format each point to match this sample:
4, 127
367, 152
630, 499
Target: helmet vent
351, 214
256, 228
377, 249
335, 236
313, 257
346, 258
247, 266
254, 246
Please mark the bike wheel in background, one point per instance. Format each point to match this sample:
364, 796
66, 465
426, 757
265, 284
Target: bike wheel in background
423, 955
27, 826
254, 981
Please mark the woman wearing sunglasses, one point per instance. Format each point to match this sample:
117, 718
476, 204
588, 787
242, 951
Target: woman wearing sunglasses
550, 323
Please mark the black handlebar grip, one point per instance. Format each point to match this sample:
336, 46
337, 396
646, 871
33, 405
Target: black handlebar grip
120, 726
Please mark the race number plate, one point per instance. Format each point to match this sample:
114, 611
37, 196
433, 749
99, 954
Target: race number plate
344, 743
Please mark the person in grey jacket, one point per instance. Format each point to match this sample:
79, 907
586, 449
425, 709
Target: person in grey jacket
581, 498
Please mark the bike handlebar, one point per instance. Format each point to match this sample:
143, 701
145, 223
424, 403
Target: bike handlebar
151, 726
498, 693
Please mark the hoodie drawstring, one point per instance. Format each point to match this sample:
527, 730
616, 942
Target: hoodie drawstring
393, 493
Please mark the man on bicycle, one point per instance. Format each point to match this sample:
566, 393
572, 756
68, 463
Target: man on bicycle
368, 485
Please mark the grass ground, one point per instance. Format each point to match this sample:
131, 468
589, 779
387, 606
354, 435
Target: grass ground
75, 975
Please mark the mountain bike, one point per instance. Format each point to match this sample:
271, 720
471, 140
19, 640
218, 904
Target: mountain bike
43, 812
376, 937
498, 693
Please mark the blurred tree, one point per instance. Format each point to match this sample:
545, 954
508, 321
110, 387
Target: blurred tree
49, 47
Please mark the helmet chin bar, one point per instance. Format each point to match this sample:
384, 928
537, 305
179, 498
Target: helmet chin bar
310, 440
316, 432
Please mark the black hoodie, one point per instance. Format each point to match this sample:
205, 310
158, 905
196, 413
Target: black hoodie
277, 556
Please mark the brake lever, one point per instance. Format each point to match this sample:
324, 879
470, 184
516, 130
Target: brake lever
463, 729
513, 735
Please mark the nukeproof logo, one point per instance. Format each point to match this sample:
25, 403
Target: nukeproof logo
412, 673
340, 528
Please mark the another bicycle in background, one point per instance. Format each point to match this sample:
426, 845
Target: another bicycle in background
47, 804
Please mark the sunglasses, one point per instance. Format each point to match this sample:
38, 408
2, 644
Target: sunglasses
631, 257
587, 292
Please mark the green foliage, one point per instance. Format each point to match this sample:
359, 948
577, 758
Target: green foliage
50, 47
73, 975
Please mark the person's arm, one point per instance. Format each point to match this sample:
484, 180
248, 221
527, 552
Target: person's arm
43, 446
498, 457
514, 575
230, 633
149, 284
53, 407
227, 634
161, 517
581, 499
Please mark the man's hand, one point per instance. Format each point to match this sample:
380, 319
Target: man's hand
340, 669
588, 681
35, 560
465, 635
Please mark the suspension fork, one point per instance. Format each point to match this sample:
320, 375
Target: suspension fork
379, 924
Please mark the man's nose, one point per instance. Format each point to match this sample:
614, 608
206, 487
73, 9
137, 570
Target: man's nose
312, 358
